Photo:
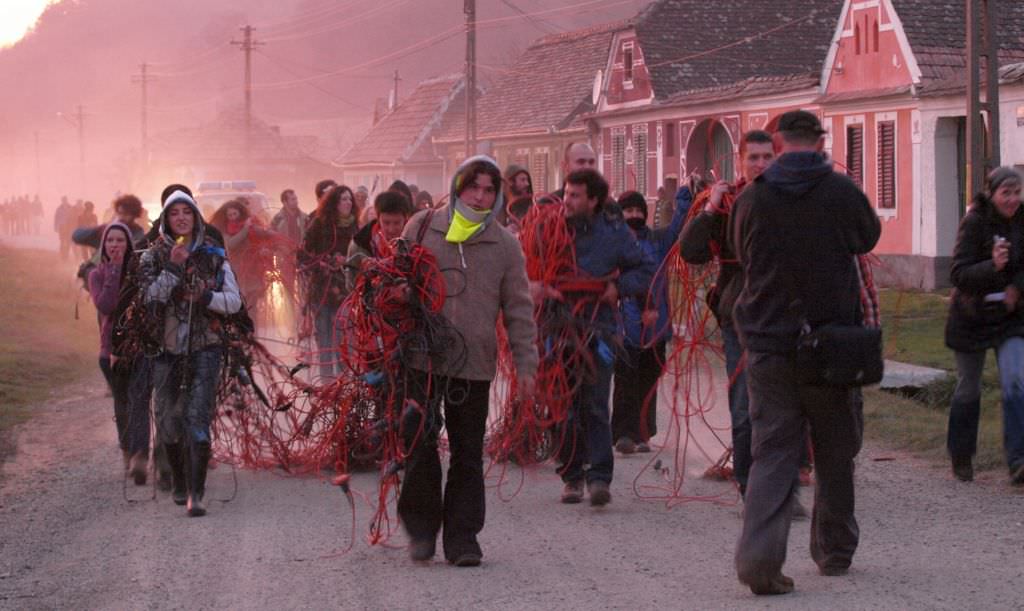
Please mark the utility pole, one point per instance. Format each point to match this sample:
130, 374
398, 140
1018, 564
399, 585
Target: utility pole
247, 45
395, 103
983, 154
78, 120
143, 78
470, 10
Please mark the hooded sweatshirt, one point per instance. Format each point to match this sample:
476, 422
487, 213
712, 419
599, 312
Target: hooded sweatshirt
796, 231
163, 284
486, 279
105, 284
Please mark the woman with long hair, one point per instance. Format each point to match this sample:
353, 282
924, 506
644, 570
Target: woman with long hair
322, 260
249, 245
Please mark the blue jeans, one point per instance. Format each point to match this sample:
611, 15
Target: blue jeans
186, 416
328, 355
739, 406
588, 432
965, 410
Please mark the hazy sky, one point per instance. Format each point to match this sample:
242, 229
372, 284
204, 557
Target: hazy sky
17, 16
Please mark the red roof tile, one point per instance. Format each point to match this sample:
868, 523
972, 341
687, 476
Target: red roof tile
694, 44
936, 32
404, 135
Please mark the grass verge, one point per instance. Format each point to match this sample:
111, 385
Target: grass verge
914, 328
43, 347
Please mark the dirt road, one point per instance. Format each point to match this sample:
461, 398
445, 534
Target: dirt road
68, 539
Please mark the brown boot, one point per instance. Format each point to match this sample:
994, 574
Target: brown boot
770, 586
572, 493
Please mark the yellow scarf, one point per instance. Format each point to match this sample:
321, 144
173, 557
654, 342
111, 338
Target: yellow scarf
461, 229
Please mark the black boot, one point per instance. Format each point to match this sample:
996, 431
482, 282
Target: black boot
199, 458
179, 484
963, 468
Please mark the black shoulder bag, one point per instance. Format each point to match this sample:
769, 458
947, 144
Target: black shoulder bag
836, 354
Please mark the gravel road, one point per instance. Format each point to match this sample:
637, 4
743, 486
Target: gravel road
68, 539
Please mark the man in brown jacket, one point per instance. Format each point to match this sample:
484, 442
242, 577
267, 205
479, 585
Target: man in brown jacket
485, 271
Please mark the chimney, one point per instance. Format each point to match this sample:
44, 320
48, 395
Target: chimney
379, 110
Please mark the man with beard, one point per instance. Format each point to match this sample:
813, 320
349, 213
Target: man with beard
608, 264
518, 182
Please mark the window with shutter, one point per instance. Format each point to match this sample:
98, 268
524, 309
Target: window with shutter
539, 172
640, 158
886, 165
618, 161
855, 153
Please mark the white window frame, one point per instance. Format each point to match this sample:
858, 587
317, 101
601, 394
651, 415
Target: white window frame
627, 83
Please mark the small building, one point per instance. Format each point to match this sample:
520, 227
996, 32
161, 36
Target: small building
401, 146
224, 150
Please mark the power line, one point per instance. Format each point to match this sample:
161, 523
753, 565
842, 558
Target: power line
195, 70
344, 22
300, 19
193, 58
315, 86
540, 24
735, 43
439, 38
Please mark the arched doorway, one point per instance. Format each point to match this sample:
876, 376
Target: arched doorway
710, 152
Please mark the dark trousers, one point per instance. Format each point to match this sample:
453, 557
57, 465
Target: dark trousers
739, 406
965, 410
118, 379
186, 416
779, 409
140, 389
461, 508
635, 398
587, 435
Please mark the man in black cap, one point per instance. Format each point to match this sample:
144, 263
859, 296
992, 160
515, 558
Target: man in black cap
796, 232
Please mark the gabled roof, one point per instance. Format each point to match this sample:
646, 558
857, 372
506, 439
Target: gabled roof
936, 32
694, 44
225, 138
549, 85
404, 134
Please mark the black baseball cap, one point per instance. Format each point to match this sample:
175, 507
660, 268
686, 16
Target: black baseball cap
800, 121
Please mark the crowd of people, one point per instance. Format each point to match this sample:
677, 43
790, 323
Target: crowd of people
21, 215
787, 238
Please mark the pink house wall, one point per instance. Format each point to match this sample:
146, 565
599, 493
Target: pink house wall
620, 91
869, 54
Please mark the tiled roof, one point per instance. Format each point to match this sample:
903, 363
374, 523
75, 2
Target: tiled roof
694, 44
404, 134
751, 87
549, 85
936, 32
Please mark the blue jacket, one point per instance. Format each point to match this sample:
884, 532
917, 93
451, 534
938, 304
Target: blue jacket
604, 246
656, 245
